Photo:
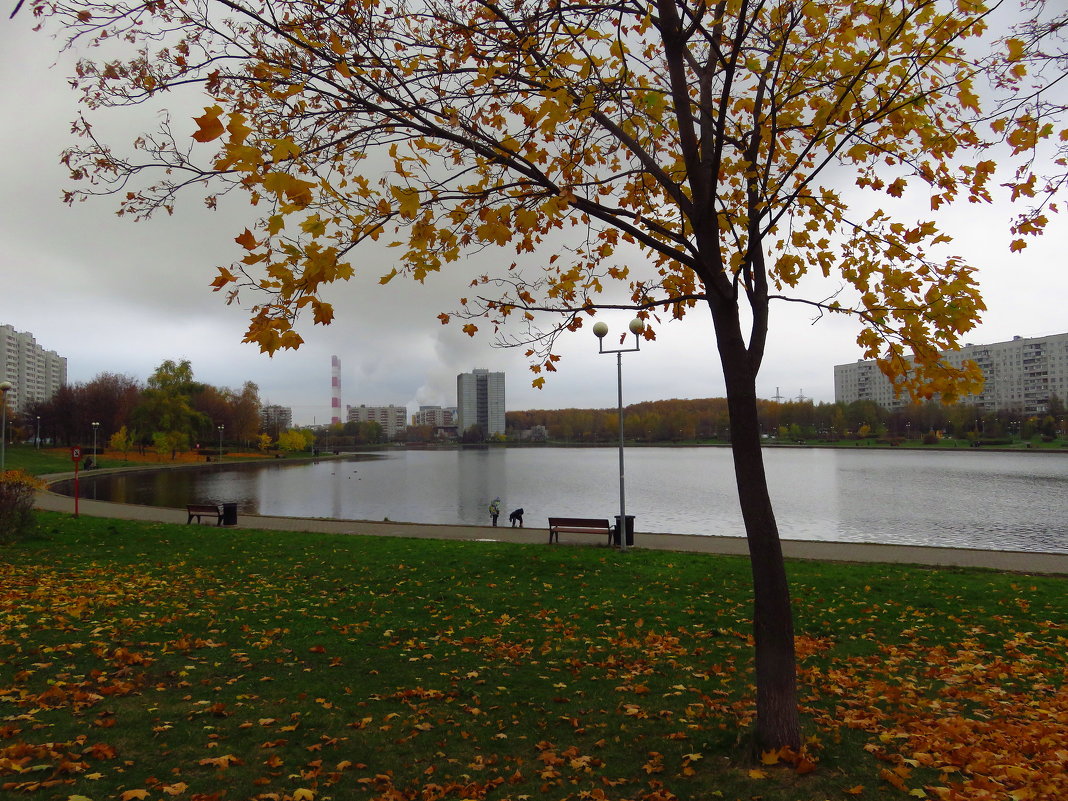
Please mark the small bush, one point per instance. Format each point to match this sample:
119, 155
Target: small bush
930, 438
16, 504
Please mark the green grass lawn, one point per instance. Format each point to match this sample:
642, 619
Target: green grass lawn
36, 462
159, 661
43, 461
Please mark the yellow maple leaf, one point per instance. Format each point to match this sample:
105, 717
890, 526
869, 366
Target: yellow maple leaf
770, 757
408, 199
134, 795
304, 794
237, 129
284, 149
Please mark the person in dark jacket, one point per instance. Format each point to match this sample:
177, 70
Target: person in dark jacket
516, 517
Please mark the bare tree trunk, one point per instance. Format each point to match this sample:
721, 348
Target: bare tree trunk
777, 722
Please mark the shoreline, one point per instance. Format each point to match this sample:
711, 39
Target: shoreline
1049, 563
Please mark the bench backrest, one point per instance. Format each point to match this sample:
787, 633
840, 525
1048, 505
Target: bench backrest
578, 522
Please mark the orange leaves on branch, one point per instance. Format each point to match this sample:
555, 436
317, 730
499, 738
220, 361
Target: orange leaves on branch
209, 127
247, 240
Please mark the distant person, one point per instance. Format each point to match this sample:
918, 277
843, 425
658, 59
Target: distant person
516, 517
495, 510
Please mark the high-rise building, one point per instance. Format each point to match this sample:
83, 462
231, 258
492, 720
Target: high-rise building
480, 401
275, 419
35, 373
1021, 375
393, 419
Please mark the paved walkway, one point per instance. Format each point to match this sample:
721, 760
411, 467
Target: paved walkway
1016, 561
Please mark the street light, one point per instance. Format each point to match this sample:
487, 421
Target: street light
4, 387
220, 441
600, 330
96, 459
37, 439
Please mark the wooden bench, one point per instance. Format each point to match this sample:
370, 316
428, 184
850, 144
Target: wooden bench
578, 525
199, 510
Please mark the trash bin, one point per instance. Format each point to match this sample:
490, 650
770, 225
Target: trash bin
630, 531
229, 517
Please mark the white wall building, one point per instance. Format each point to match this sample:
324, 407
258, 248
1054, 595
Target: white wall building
35, 373
480, 401
393, 419
435, 416
1021, 375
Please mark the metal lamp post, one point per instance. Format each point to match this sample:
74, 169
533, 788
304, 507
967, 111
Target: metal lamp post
96, 458
37, 439
600, 329
4, 387
220, 441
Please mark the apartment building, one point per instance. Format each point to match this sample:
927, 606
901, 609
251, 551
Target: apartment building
35, 373
435, 416
480, 401
393, 419
275, 419
1021, 374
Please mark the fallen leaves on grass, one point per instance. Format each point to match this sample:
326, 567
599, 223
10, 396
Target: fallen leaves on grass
531, 696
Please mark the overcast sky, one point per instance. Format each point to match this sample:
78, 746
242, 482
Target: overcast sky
112, 295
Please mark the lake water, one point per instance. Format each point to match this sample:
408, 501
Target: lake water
987, 500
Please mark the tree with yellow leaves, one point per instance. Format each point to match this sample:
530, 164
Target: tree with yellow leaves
690, 153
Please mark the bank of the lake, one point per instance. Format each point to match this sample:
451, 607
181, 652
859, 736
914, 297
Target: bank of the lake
952, 499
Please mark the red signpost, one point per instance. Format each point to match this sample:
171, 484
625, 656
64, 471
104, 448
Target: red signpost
76, 455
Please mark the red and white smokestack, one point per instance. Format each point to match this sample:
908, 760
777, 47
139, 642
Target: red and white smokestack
335, 390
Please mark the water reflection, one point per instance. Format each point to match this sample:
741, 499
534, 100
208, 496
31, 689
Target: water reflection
480, 476
961, 499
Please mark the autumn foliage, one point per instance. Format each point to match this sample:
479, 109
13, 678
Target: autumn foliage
659, 156
701, 152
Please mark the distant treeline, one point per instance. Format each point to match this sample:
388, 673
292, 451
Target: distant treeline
707, 419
